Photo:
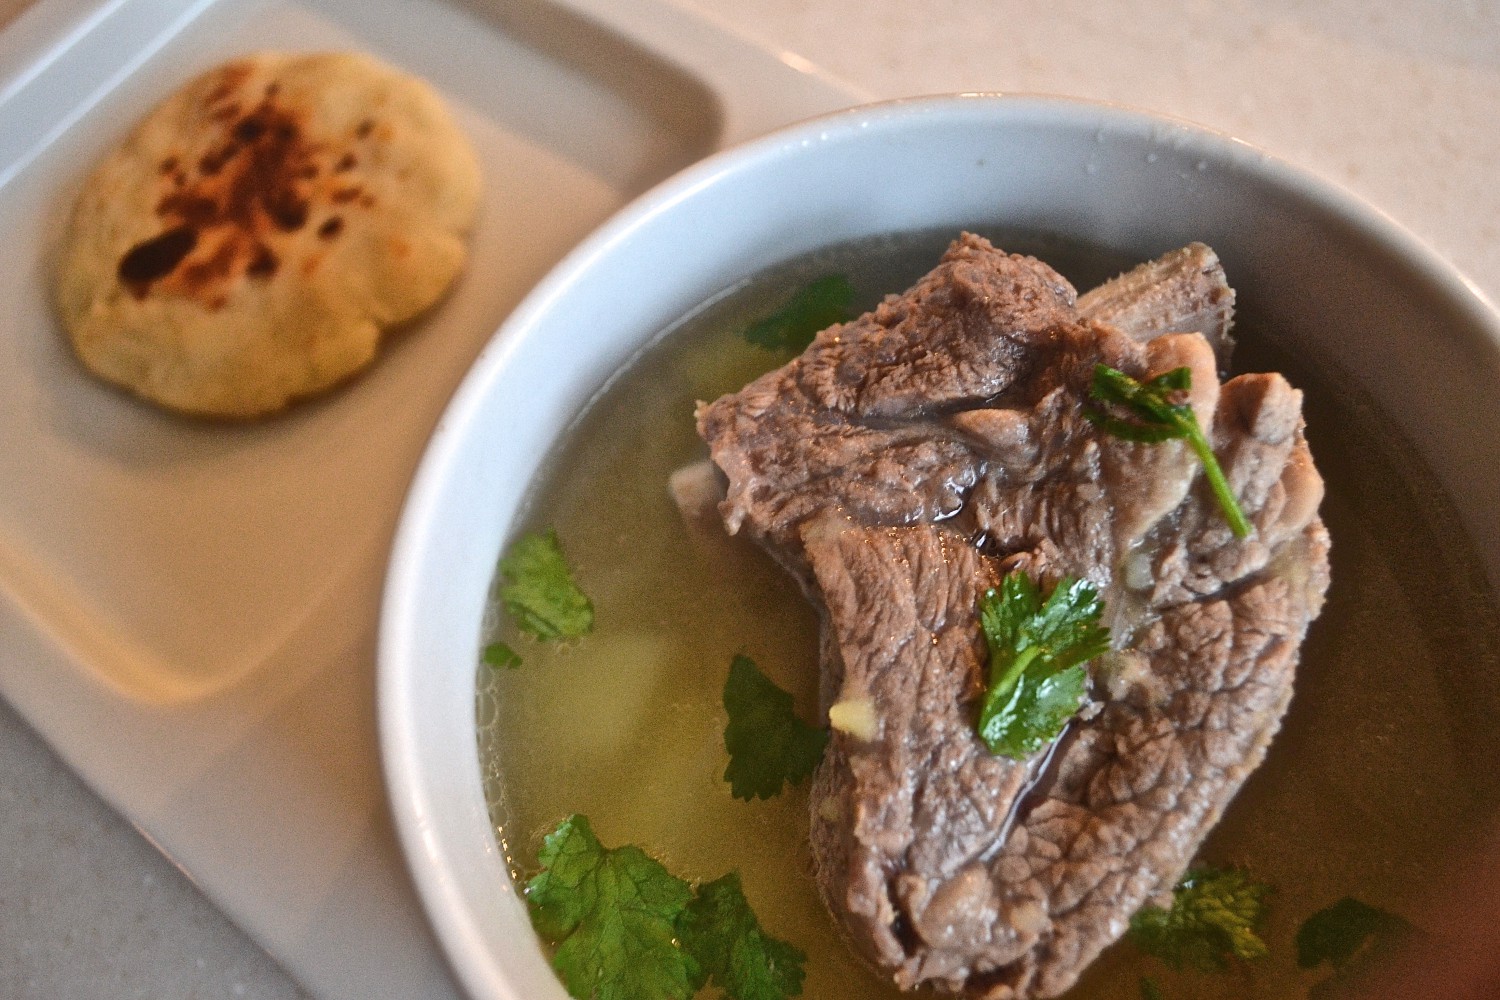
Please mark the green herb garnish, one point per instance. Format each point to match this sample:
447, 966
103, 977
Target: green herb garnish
500, 656
625, 928
1338, 933
1151, 991
768, 745
539, 592
1214, 917
1037, 652
814, 307
722, 934
1158, 419
613, 916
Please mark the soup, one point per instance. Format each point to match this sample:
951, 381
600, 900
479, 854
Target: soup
1385, 752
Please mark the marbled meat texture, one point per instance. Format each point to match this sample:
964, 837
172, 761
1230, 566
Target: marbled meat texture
909, 459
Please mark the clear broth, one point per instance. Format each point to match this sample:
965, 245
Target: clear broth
1380, 779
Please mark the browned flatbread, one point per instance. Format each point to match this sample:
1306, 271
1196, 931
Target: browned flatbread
248, 242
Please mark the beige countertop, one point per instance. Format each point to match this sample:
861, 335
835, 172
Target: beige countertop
1395, 101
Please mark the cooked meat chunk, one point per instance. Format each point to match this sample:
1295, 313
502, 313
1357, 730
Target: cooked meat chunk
906, 462
1181, 292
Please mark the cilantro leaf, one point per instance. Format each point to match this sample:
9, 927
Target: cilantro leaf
1034, 714
767, 743
721, 932
501, 656
1151, 991
613, 916
792, 327
1336, 934
1214, 917
624, 928
1357, 940
1158, 418
539, 592
1037, 652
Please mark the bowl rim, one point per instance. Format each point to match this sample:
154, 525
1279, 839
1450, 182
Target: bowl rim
411, 798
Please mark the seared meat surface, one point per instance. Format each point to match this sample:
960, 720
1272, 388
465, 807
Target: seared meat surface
902, 465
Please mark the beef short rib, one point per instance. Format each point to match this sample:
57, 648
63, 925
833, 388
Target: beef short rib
908, 460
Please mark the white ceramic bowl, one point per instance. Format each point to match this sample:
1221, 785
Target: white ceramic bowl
1322, 266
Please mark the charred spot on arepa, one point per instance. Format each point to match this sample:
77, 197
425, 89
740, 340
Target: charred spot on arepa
157, 257
255, 179
253, 216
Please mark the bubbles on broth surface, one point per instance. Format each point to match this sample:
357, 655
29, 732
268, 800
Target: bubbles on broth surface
1380, 778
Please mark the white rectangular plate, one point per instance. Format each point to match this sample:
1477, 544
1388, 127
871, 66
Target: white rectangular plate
188, 609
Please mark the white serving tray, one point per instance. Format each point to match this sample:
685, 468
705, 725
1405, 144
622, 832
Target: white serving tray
188, 610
